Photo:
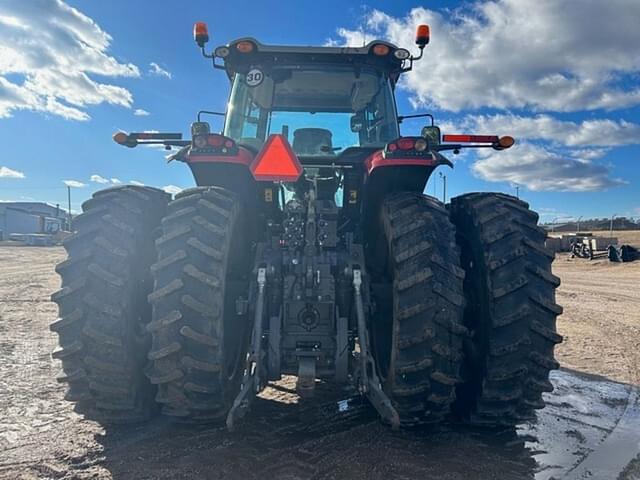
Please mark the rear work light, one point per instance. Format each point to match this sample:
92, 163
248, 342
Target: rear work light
380, 49
245, 47
276, 161
401, 54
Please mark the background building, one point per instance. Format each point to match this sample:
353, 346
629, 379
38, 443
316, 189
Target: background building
31, 218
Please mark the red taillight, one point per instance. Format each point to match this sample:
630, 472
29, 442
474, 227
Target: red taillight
470, 138
215, 140
276, 161
406, 143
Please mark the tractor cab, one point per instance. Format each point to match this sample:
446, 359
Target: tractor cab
323, 101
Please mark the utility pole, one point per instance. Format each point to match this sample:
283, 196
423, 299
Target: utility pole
578, 223
611, 226
444, 187
518, 192
69, 199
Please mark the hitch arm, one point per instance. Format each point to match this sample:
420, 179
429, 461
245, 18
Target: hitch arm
251, 381
368, 381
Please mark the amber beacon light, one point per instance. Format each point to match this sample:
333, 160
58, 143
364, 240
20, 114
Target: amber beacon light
200, 33
422, 35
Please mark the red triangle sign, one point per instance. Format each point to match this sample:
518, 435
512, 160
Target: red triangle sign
276, 161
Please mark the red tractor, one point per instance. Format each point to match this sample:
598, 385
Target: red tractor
308, 248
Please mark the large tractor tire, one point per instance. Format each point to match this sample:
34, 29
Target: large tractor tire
511, 310
417, 331
103, 304
199, 338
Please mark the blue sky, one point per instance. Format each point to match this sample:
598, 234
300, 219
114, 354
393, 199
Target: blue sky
565, 81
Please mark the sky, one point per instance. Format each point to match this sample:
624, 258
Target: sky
562, 77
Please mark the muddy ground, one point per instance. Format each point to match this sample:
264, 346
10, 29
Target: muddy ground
591, 428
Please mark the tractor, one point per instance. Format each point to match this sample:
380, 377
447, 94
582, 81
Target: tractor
307, 248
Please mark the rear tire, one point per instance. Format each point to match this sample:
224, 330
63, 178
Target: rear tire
511, 310
103, 304
199, 342
417, 334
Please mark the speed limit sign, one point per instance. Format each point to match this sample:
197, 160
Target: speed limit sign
255, 77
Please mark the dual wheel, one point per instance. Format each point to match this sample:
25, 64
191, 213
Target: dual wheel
468, 327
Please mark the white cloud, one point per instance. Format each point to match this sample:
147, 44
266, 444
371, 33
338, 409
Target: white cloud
102, 180
74, 183
172, 189
136, 182
98, 179
541, 169
157, 70
539, 54
51, 50
6, 172
139, 112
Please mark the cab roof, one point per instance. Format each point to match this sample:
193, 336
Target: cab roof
236, 60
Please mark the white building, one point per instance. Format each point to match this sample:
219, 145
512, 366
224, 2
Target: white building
30, 218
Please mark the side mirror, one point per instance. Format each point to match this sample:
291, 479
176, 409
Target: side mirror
432, 134
200, 128
357, 122
200, 33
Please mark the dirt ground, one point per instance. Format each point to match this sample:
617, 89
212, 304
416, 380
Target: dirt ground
630, 237
41, 436
601, 319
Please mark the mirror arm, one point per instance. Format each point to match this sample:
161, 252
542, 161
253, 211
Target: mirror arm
420, 115
209, 112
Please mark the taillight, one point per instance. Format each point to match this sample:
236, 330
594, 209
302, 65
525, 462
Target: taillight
407, 147
213, 144
406, 143
215, 140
